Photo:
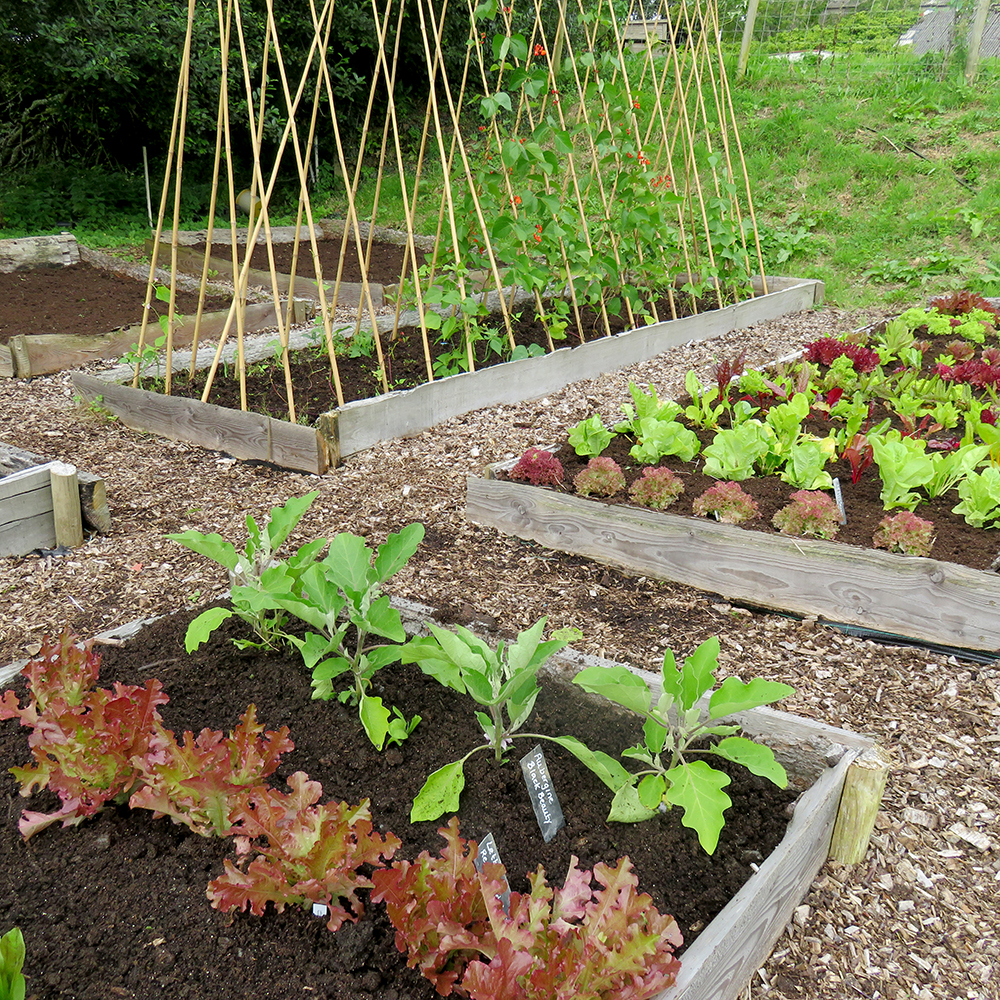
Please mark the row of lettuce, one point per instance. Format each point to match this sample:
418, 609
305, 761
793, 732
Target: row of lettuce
939, 432
597, 934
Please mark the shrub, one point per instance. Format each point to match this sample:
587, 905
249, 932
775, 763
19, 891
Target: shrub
539, 467
728, 502
811, 512
658, 488
904, 532
603, 477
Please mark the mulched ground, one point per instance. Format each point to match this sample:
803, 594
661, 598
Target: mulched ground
117, 905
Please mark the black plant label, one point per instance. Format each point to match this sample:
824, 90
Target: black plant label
543, 796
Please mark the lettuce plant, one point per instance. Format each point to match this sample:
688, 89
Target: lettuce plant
502, 680
552, 944
342, 590
677, 721
84, 739
949, 468
538, 467
805, 465
590, 437
657, 488
705, 407
656, 438
12, 983
251, 568
645, 405
203, 783
903, 465
810, 513
735, 451
980, 503
296, 851
603, 477
727, 502
904, 532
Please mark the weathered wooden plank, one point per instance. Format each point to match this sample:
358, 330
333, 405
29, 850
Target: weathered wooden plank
350, 294
26, 519
923, 598
238, 433
38, 251
363, 423
6, 362
44, 353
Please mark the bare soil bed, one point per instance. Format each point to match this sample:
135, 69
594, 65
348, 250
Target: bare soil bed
80, 299
131, 907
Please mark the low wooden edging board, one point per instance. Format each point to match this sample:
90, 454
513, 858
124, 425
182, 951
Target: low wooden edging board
923, 599
738, 941
364, 423
236, 432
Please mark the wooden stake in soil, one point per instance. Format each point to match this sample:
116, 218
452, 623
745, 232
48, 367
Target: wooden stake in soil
66, 505
859, 805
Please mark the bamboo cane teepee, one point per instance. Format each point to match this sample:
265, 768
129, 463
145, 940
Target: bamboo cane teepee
568, 167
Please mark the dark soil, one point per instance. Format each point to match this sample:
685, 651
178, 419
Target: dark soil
117, 906
82, 300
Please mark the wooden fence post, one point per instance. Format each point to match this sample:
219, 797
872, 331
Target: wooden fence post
66, 504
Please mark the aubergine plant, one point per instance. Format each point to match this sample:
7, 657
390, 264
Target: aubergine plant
252, 570
674, 734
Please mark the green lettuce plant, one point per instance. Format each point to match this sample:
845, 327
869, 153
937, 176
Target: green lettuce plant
980, 503
735, 451
903, 465
12, 952
646, 405
590, 437
502, 680
671, 729
252, 569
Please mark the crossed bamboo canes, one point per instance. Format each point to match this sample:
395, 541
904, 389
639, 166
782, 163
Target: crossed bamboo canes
686, 100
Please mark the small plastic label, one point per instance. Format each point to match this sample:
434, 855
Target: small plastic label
839, 497
488, 854
319, 909
543, 796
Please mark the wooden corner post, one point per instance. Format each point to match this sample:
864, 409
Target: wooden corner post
859, 805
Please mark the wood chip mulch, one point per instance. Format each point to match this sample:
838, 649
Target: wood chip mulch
917, 919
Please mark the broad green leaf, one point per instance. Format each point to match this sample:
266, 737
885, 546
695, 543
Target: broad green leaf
519, 710
283, 519
384, 620
203, 626
214, 546
617, 684
654, 735
651, 790
478, 685
463, 648
626, 807
605, 767
440, 792
696, 677
520, 652
697, 789
381, 656
348, 565
395, 552
734, 696
671, 679
333, 667
755, 757
375, 718
163, 293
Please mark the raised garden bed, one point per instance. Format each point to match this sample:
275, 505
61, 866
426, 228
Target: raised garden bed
160, 928
915, 444
64, 305
363, 423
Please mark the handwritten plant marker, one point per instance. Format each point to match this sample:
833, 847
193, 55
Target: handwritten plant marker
542, 792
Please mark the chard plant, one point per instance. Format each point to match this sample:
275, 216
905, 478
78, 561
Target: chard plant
674, 731
502, 680
551, 944
252, 570
341, 592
